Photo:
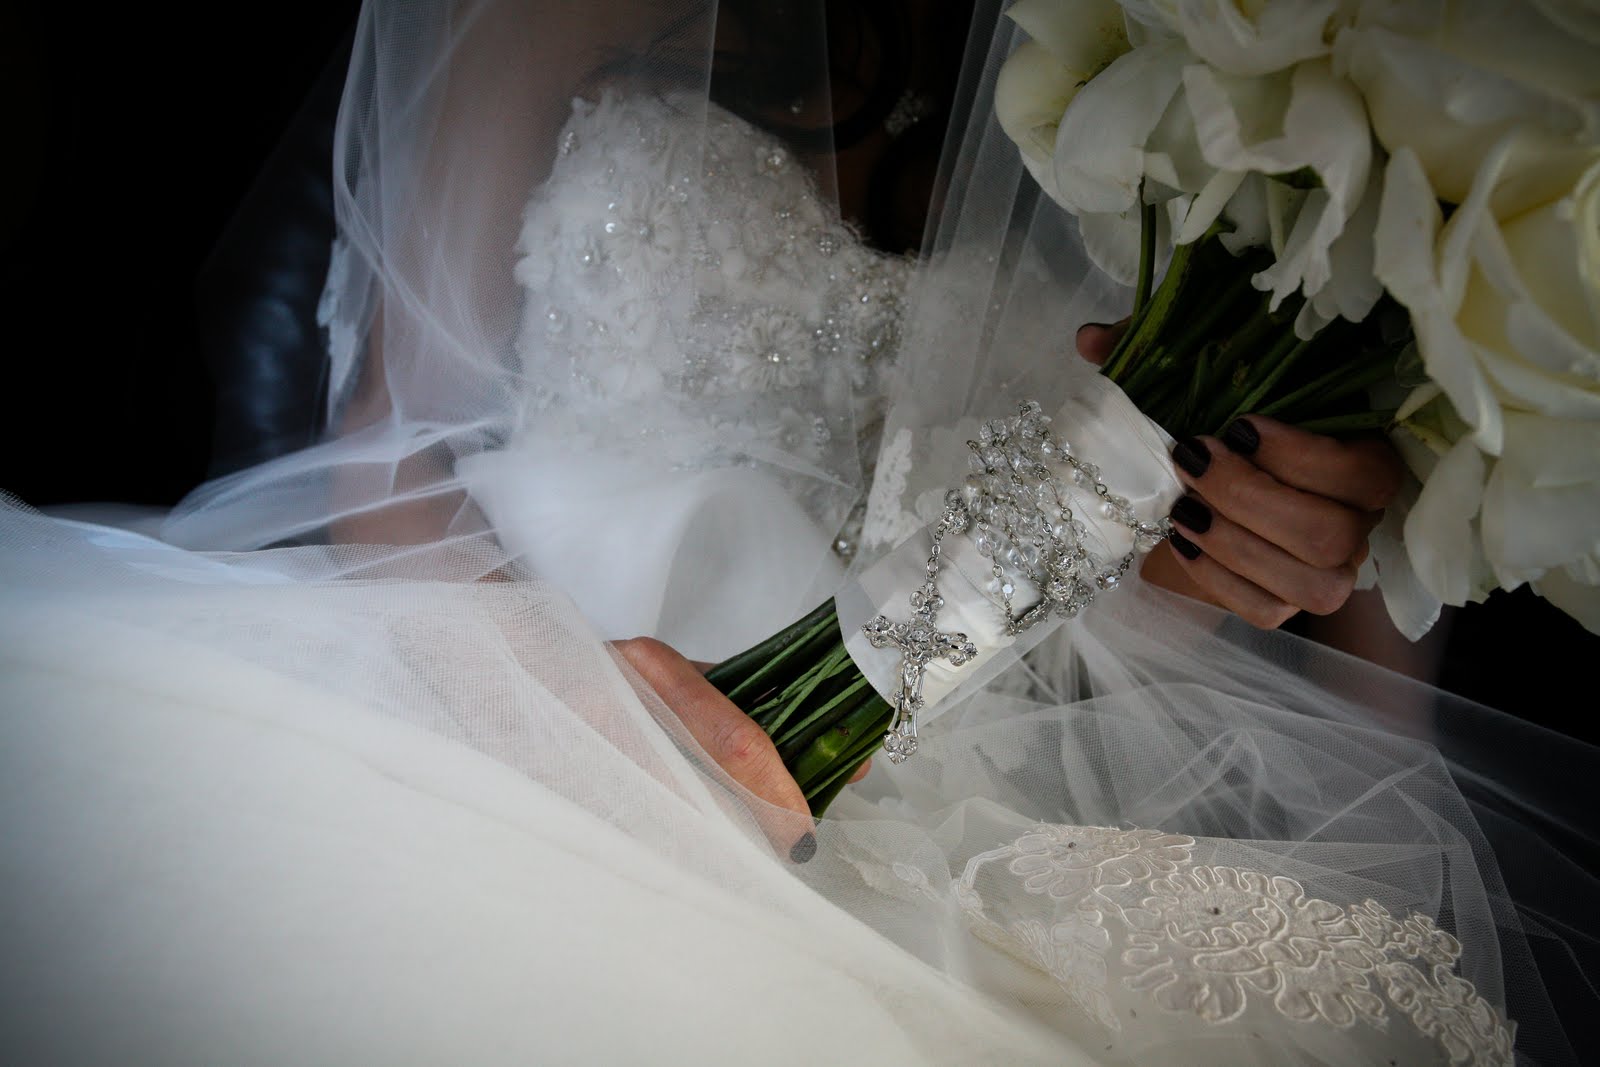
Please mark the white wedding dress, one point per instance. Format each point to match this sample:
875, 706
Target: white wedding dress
342, 804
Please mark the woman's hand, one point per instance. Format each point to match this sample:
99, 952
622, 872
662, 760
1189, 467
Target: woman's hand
1276, 520
731, 738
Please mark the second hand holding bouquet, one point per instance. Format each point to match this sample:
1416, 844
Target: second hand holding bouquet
1414, 187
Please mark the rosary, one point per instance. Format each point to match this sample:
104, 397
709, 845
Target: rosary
1014, 505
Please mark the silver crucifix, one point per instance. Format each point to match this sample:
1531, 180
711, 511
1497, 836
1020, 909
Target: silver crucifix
920, 643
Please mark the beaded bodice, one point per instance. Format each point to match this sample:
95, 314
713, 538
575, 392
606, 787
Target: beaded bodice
689, 288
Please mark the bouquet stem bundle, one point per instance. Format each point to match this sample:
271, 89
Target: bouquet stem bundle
1203, 348
806, 692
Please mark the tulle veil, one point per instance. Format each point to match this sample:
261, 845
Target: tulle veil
332, 769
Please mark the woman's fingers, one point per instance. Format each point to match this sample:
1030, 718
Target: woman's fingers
1277, 520
1364, 474
1096, 340
1277, 583
1314, 529
731, 738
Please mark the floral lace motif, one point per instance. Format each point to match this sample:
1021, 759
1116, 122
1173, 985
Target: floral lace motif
1213, 940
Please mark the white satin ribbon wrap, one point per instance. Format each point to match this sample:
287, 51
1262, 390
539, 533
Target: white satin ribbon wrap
1101, 426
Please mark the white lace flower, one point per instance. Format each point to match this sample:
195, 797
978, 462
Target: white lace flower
1210, 936
771, 349
1067, 860
1448, 1009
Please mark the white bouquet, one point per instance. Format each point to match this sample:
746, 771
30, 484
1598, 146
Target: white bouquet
1375, 213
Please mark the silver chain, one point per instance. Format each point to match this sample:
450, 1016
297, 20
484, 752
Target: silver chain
1015, 508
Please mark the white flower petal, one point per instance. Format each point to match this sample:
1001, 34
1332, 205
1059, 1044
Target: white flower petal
1577, 18
1208, 205
1439, 532
1150, 20
1413, 609
1100, 148
1542, 369
1552, 453
1243, 124
1417, 398
1247, 211
1556, 251
1581, 600
1031, 92
1082, 35
1256, 38
1112, 242
1452, 361
1353, 288
1528, 530
1406, 242
1452, 95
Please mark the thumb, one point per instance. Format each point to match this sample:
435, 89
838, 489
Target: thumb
1096, 340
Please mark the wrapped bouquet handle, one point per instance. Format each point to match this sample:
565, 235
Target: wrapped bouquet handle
1042, 524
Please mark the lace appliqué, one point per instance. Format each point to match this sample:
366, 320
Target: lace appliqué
1212, 940
886, 522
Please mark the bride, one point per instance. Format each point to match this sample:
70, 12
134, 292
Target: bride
342, 768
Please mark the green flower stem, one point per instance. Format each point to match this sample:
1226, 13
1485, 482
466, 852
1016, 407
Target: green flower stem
1352, 423
1335, 384
800, 732
1198, 380
1147, 256
1283, 355
1213, 295
839, 753
778, 711
736, 677
1148, 325
804, 690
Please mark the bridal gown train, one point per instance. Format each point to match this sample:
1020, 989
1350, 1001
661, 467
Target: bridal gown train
341, 804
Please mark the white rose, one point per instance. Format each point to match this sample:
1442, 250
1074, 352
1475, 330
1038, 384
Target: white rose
1449, 78
1506, 309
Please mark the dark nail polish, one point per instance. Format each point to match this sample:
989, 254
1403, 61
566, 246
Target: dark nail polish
1191, 513
804, 848
1186, 548
1192, 456
1241, 437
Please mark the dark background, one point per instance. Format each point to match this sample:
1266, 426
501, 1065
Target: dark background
133, 133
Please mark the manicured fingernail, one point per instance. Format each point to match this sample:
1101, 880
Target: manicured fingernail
1192, 456
1186, 548
1241, 437
804, 848
1191, 513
